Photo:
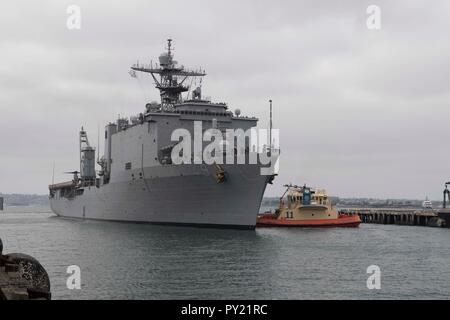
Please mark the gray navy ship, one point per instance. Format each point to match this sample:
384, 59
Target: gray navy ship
138, 181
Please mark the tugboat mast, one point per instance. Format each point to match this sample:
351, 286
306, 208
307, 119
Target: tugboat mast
171, 78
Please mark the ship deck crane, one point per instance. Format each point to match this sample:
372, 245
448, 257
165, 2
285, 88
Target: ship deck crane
87, 158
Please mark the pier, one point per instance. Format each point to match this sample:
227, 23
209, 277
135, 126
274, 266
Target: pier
411, 217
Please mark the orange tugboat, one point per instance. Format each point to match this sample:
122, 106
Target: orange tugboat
306, 207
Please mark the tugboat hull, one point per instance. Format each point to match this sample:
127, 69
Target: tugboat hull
341, 221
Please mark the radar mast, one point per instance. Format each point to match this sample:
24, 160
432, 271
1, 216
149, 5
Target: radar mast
171, 77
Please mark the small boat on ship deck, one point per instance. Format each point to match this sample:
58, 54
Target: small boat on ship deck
306, 207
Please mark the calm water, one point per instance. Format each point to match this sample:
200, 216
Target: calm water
135, 261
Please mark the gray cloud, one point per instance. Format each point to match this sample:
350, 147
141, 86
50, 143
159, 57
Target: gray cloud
361, 113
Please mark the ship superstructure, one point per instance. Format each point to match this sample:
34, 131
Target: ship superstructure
138, 180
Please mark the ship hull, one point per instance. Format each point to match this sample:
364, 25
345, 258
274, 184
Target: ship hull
178, 195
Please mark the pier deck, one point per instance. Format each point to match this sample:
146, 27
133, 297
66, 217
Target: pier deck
412, 217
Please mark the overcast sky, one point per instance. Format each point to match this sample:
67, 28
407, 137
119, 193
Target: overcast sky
361, 112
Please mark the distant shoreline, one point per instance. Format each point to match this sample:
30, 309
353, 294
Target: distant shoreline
20, 200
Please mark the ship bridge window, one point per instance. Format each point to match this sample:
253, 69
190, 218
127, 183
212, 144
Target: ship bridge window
128, 166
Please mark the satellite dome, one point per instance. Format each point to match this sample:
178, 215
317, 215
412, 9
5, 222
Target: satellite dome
237, 112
